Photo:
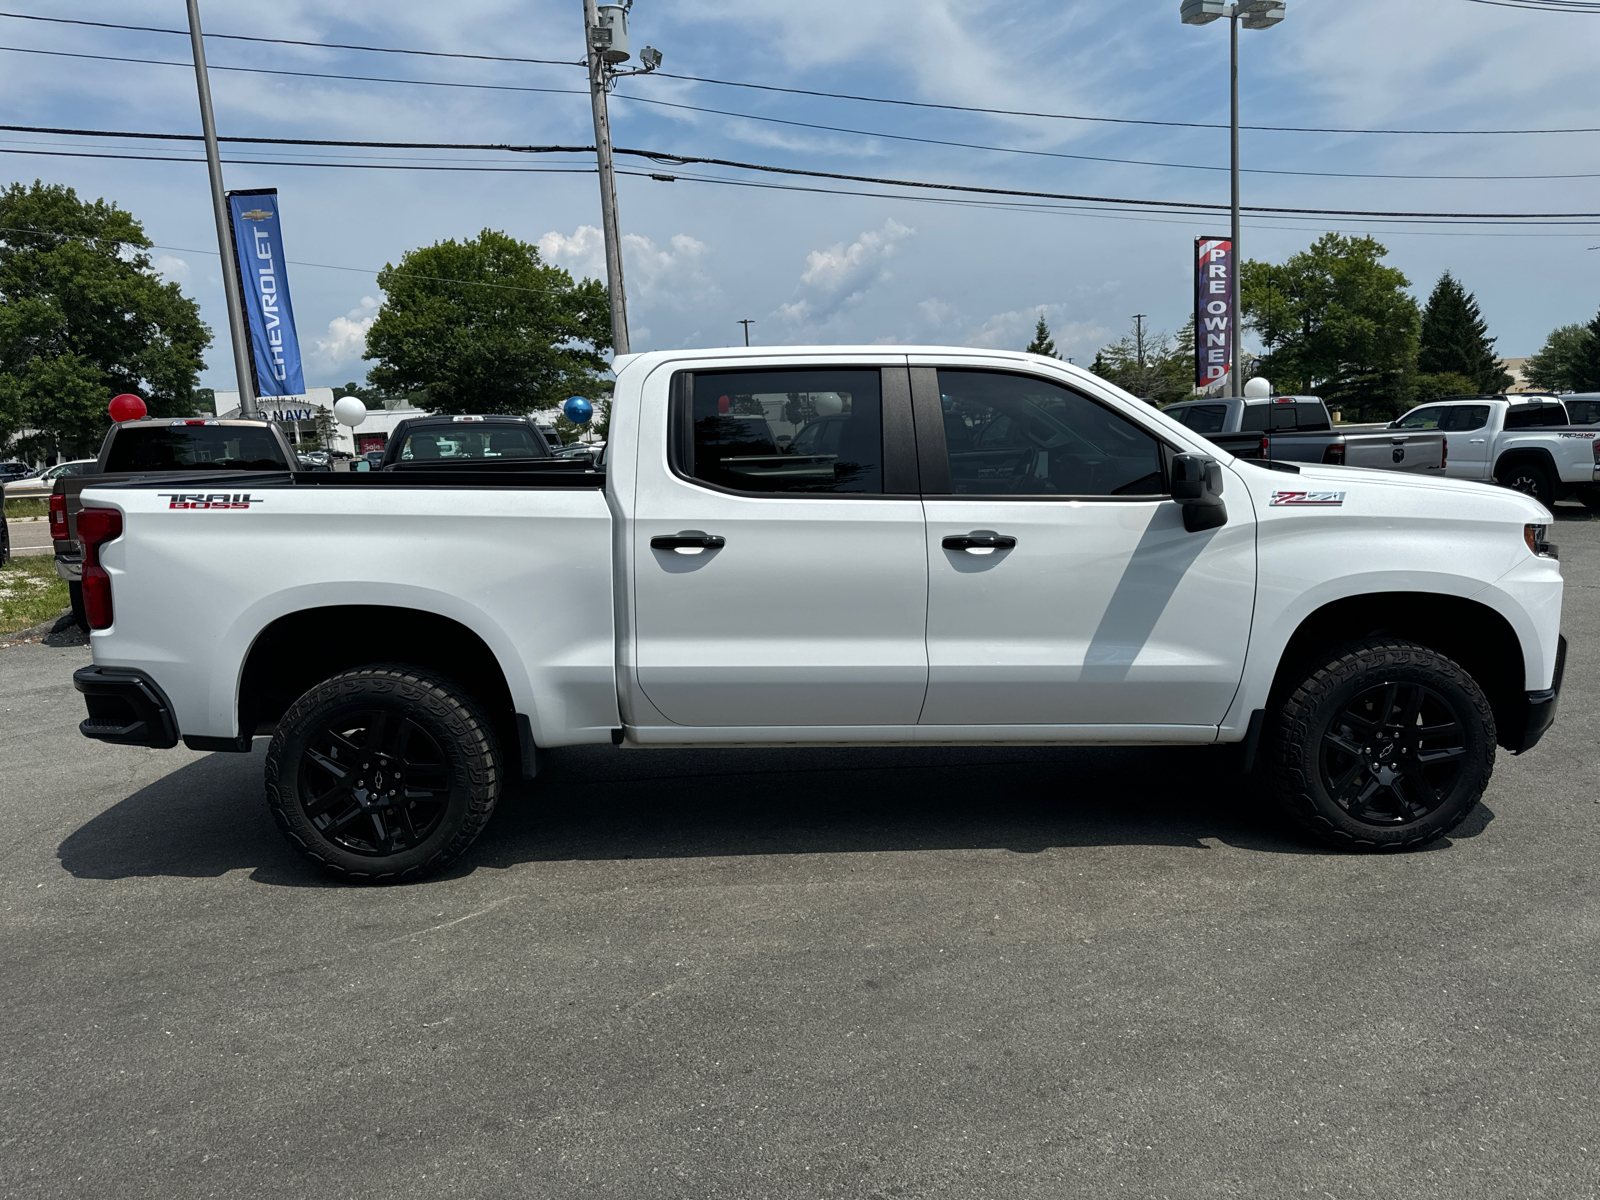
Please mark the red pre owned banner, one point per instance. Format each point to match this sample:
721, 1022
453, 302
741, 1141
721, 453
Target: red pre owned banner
1213, 310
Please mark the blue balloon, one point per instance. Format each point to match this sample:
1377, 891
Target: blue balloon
577, 410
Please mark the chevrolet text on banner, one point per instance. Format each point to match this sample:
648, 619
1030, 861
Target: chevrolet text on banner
1213, 310
274, 347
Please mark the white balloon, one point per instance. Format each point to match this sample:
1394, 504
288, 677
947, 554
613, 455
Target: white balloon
826, 403
348, 410
1258, 388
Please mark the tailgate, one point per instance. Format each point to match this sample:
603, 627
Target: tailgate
1420, 452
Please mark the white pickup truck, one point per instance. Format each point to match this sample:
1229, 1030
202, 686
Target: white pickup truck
1544, 446
826, 546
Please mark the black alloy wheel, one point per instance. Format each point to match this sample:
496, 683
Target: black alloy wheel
1530, 480
373, 783
1393, 754
1384, 745
383, 774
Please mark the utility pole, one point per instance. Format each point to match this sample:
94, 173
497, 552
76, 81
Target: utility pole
219, 204
747, 322
1236, 387
598, 82
1138, 337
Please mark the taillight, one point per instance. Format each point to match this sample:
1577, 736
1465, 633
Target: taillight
1333, 456
96, 526
1266, 446
58, 517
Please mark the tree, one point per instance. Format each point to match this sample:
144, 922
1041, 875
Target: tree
84, 316
1586, 365
1560, 361
1455, 340
1150, 365
1042, 342
486, 327
1334, 320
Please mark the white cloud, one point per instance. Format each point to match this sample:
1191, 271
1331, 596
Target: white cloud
1014, 330
346, 339
672, 277
934, 311
839, 276
171, 268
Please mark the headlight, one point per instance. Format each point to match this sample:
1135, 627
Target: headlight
1534, 536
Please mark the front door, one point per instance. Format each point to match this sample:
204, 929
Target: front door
1063, 587
778, 552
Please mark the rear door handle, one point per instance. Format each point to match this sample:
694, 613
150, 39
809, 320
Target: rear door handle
1475, 440
690, 541
979, 541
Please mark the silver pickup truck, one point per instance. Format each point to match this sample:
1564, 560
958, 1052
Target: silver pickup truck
1298, 429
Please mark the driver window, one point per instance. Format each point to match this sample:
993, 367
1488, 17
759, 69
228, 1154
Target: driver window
1022, 436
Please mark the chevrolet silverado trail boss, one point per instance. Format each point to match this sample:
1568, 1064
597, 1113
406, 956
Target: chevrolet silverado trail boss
831, 546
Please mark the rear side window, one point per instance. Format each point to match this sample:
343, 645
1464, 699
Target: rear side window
1204, 418
1464, 418
1017, 435
1583, 412
805, 431
194, 448
445, 444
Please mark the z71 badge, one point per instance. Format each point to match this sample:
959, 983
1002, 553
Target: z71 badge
1308, 499
211, 500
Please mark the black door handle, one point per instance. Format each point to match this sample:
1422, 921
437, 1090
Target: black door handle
690, 541
979, 539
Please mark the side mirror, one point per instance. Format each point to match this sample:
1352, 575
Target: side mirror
1197, 485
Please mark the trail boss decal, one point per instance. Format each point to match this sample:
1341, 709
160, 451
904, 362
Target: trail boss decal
1308, 499
214, 500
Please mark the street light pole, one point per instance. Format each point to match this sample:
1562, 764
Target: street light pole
219, 204
1255, 14
747, 322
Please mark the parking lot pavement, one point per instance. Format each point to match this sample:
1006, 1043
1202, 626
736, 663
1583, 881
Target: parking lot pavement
30, 537
865, 973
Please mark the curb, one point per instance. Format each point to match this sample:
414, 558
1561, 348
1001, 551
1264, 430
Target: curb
58, 631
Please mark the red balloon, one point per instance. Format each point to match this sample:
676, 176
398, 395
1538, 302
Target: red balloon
127, 407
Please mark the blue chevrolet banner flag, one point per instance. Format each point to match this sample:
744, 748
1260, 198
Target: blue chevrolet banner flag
274, 346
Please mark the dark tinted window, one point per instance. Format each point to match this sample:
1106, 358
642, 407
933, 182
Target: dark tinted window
458, 442
194, 448
1256, 418
1283, 416
1019, 435
1311, 414
1583, 412
803, 431
1535, 416
1204, 418
1464, 418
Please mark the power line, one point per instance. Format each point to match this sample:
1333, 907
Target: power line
1572, 6
239, 37
665, 158
766, 87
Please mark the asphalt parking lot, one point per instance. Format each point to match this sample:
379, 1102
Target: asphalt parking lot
868, 973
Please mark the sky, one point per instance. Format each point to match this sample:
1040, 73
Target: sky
810, 266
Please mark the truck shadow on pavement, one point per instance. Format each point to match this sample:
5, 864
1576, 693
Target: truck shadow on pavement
597, 803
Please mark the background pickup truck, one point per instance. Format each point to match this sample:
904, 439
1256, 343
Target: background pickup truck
1298, 429
1545, 447
158, 446
823, 546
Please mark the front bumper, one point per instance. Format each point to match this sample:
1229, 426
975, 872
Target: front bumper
1539, 708
126, 708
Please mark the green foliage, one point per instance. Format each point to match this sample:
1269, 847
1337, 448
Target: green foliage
1042, 342
1455, 340
1559, 364
1337, 322
486, 327
1152, 365
30, 592
1586, 366
1441, 384
83, 316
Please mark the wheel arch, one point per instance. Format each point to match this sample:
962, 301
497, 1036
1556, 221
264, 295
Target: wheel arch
298, 650
1473, 634
1536, 455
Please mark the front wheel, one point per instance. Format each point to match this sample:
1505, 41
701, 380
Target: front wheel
1530, 480
1385, 746
383, 774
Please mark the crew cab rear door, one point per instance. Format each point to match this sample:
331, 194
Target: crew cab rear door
1063, 587
780, 574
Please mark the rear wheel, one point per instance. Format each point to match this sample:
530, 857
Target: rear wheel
1531, 480
1385, 746
383, 774
1591, 498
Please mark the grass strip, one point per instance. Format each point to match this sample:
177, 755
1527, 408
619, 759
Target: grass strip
30, 592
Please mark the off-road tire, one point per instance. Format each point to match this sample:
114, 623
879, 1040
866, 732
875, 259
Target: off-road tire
1306, 716
458, 729
80, 611
1531, 480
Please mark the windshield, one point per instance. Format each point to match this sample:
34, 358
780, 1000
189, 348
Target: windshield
194, 448
478, 443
